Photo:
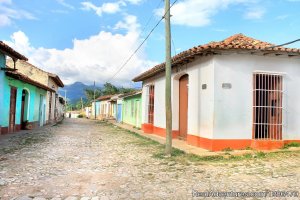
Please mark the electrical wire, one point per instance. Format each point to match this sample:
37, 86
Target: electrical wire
138, 48
298, 40
174, 48
151, 17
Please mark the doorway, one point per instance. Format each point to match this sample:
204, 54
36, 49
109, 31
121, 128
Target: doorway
183, 106
41, 111
12, 110
24, 108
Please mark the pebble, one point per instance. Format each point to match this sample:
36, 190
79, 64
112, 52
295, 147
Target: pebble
86, 160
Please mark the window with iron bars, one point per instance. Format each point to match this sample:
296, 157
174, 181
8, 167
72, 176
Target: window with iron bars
267, 106
150, 104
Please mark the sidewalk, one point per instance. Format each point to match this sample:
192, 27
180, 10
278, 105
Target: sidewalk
179, 144
182, 145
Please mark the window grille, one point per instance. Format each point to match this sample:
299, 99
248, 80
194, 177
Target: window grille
267, 108
151, 104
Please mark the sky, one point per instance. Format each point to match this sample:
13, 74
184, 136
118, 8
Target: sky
89, 40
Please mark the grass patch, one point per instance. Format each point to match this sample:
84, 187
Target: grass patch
292, 144
179, 156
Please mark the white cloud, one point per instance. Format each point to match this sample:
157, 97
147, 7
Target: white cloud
104, 8
5, 1
135, 1
4, 20
282, 17
8, 13
63, 3
199, 13
109, 8
255, 13
95, 58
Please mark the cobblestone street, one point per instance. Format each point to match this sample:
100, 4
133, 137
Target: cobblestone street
82, 159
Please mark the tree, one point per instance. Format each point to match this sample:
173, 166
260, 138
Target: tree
109, 89
89, 93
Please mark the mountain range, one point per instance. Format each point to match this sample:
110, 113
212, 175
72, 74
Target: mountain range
75, 91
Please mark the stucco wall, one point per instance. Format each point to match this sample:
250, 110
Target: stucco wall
233, 107
200, 102
27, 69
129, 117
2, 64
34, 101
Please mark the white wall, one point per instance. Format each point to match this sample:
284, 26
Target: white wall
200, 72
233, 107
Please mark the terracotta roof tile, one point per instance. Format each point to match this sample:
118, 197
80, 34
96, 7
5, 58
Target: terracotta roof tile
26, 79
235, 42
11, 52
105, 97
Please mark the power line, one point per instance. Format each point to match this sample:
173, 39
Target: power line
138, 48
298, 40
151, 17
174, 48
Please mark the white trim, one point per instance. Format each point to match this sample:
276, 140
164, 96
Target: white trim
269, 72
28, 103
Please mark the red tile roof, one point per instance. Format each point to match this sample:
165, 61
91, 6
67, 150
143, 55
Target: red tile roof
26, 79
56, 79
129, 94
235, 42
11, 52
102, 98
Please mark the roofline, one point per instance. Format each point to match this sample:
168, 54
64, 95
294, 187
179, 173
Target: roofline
7, 50
26, 79
213, 48
131, 94
106, 97
56, 79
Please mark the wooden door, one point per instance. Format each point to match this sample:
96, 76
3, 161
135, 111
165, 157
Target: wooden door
183, 106
12, 110
275, 114
23, 109
151, 105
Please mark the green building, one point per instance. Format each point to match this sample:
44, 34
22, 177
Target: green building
132, 109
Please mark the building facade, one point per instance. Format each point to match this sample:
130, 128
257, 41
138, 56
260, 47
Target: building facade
236, 93
132, 109
22, 100
53, 104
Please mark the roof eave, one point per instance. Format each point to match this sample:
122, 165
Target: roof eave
29, 81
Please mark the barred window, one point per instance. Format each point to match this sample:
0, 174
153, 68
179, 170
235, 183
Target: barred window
267, 108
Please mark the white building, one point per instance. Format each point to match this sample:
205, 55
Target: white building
235, 93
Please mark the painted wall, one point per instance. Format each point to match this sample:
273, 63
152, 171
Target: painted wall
132, 110
42, 77
97, 109
2, 64
233, 107
200, 102
34, 101
29, 70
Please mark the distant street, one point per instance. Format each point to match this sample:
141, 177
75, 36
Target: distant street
82, 159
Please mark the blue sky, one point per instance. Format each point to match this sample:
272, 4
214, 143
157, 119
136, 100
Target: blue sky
87, 40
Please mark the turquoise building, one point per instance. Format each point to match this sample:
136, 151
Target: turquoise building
132, 109
22, 100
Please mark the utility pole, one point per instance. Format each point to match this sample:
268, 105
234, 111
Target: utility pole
95, 98
66, 101
81, 104
168, 149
